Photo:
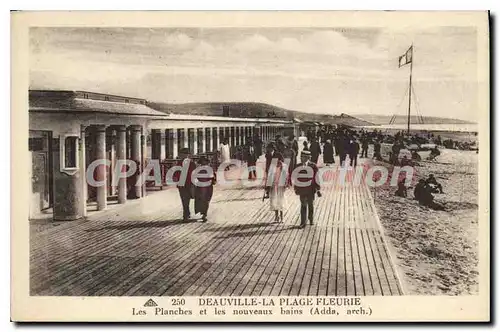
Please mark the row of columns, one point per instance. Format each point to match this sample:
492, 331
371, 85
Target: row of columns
129, 143
136, 152
165, 143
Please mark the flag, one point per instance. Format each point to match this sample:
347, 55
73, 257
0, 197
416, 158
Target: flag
406, 58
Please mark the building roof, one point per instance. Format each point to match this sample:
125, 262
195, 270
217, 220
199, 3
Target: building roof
175, 116
82, 102
59, 101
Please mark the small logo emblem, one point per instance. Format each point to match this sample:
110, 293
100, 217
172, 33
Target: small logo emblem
150, 303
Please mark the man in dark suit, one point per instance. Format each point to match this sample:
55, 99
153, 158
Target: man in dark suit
185, 185
353, 152
315, 149
306, 192
250, 157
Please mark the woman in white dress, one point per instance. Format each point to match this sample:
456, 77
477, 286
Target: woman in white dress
278, 188
225, 155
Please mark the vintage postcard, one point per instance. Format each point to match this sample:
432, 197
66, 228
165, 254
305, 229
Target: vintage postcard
250, 166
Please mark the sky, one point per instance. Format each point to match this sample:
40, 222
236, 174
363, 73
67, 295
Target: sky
332, 71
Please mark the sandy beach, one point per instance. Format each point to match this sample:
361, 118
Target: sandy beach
436, 251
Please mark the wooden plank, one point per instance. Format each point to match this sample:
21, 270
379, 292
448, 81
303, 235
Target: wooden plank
303, 263
198, 263
266, 273
287, 283
182, 265
360, 265
285, 270
251, 266
341, 284
66, 275
324, 265
223, 275
351, 281
248, 263
175, 249
314, 273
309, 263
384, 285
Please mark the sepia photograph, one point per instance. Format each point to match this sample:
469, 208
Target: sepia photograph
225, 163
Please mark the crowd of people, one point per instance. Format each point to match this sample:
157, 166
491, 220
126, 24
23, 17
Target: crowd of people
329, 141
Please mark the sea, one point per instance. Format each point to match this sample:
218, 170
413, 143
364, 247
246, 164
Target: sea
455, 127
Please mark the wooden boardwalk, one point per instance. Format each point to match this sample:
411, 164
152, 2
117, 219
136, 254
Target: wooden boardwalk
143, 248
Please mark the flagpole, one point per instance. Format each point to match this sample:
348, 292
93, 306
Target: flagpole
409, 98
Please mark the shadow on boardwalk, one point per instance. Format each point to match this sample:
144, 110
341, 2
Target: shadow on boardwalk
152, 224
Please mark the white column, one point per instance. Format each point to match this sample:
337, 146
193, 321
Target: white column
83, 170
113, 162
121, 150
102, 191
195, 141
211, 148
217, 137
232, 134
186, 138
135, 152
163, 143
175, 147
203, 140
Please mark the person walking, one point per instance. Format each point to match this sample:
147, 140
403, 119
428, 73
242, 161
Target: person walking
278, 187
376, 150
250, 158
290, 156
224, 150
353, 152
204, 188
270, 152
364, 147
328, 155
184, 185
315, 149
306, 192
257, 143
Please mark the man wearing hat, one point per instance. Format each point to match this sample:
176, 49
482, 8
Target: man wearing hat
306, 192
186, 187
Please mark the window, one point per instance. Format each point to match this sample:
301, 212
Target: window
86, 96
126, 100
106, 98
70, 151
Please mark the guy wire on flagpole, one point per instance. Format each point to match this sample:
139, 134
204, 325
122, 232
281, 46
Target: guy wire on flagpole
409, 93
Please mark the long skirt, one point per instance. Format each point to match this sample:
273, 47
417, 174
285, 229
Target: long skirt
277, 198
202, 197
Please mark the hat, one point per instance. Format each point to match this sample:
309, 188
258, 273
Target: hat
305, 153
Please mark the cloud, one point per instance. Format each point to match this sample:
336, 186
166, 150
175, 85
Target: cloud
178, 41
253, 43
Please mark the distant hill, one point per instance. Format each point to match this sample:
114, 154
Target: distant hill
255, 110
401, 119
